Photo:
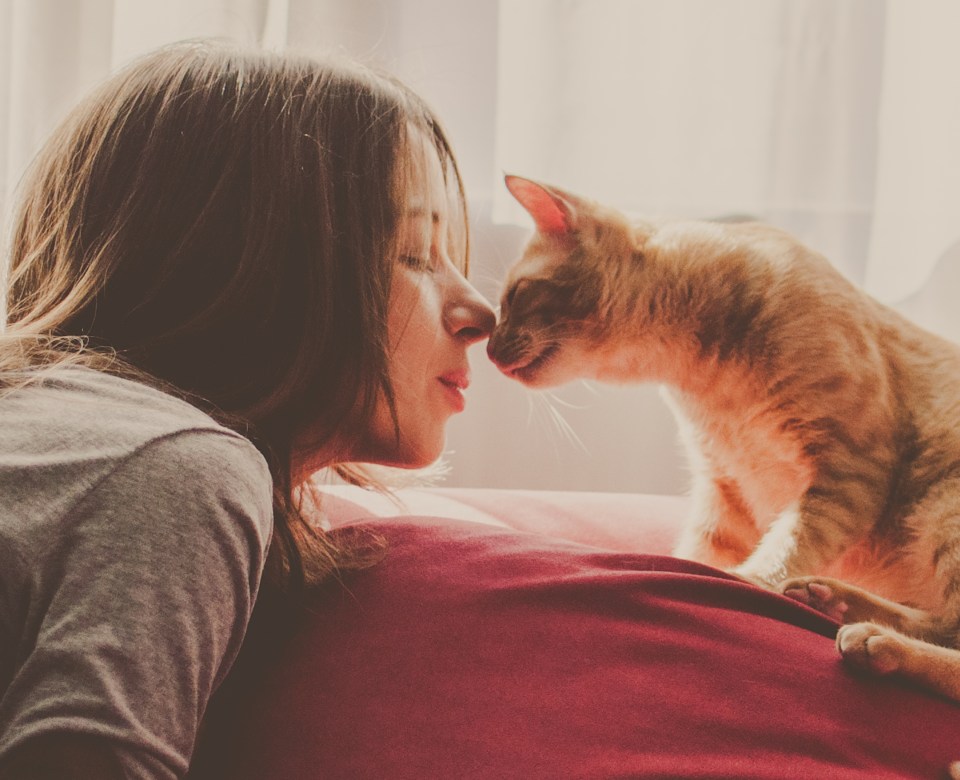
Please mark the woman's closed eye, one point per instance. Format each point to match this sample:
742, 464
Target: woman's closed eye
417, 262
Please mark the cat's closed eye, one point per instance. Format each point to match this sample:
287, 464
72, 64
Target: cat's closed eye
512, 292
528, 296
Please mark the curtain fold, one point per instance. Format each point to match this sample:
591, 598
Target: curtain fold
917, 205
51, 52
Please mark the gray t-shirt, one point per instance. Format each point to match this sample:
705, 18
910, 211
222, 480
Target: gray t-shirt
133, 532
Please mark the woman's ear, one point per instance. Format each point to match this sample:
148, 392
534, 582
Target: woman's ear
553, 214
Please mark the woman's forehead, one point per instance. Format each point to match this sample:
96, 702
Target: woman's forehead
429, 198
426, 187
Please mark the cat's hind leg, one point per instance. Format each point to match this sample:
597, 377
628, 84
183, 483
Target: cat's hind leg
884, 637
878, 647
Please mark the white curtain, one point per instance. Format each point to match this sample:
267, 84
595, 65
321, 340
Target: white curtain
837, 119
54, 51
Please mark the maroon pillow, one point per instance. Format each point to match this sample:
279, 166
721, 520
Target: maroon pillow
478, 652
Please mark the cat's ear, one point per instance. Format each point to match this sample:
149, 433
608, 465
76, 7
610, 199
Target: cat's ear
552, 213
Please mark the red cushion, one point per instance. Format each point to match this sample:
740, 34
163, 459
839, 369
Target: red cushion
479, 652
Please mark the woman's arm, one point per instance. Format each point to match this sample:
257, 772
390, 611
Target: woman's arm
149, 585
74, 756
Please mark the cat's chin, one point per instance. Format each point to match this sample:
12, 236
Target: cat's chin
535, 373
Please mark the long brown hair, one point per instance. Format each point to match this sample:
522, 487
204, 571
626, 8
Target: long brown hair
220, 222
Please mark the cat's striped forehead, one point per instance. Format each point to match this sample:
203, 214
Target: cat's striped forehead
534, 263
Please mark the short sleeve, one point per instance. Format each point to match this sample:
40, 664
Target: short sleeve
141, 600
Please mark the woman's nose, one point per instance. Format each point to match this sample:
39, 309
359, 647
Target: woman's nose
468, 315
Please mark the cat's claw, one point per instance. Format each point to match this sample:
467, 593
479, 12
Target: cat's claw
816, 595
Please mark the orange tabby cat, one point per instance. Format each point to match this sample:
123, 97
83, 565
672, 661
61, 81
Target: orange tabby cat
823, 427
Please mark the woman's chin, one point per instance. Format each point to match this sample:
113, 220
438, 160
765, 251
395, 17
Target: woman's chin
412, 456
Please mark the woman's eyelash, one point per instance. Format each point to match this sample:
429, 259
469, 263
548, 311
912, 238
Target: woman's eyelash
416, 262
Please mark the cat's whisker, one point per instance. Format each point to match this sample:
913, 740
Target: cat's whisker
590, 387
562, 401
554, 331
535, 414
549, 423
486, 279
557, 421
531, 408
487, 284
567, 430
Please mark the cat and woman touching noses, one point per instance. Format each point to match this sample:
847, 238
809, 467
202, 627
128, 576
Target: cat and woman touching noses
822, 427
289, 296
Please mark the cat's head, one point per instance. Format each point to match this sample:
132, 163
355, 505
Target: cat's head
555, 307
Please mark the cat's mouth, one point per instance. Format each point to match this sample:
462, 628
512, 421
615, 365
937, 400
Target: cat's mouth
526, 371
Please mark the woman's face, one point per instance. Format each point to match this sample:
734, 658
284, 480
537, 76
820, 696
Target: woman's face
434, 316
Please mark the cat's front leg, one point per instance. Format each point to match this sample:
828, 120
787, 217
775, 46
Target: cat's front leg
721, 530
848, 603
879, 636
834, 513
775, 558
881, 650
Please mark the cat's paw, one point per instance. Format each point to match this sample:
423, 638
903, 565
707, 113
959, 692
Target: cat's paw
873, 648
821, 595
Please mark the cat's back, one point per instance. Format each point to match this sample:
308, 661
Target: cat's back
791, 344
835, 329
760, 297
805, 297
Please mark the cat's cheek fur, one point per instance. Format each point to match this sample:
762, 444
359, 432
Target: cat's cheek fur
571, 361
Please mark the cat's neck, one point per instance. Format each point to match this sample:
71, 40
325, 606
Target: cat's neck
672, 356
686, 319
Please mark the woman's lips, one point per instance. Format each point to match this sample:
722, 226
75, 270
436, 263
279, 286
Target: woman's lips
454, 384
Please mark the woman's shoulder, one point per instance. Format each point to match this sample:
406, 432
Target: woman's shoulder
77, 434
80, 384
63, 433
73, 407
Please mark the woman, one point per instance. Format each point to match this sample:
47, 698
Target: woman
230, 270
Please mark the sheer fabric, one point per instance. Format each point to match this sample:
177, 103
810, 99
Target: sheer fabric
836, 119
